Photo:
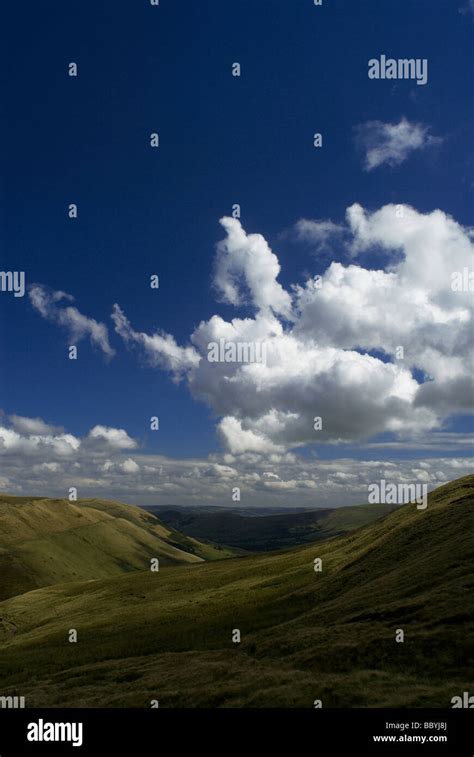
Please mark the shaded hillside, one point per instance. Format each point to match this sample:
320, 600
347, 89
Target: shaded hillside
49, 541
305, 635
269, 532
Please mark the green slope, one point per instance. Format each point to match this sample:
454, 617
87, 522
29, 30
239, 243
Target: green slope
269, 532
305, 635
45, 541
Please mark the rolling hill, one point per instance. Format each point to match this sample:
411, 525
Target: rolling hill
305, 635
261, 533
49, 541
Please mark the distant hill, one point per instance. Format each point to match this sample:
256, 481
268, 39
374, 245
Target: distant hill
261, 533
305, 635
49, 541
253, 512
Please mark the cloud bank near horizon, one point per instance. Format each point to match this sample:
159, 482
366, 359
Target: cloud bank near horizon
41, 459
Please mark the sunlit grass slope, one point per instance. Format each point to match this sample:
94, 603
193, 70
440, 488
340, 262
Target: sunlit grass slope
49, 541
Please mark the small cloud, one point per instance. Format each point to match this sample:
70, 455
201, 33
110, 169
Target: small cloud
116, 438
268, 475
318, 233
467, 7
217, 470
391, 144
48, 304
160, 348
30, 444
47, 467
29, 426
130, 466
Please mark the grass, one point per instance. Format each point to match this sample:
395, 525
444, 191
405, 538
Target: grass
269, 532
45, 542
305, 635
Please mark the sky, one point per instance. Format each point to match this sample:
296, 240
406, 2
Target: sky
333, 251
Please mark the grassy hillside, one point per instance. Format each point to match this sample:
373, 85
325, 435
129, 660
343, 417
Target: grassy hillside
305, 635
49, 541
269, 532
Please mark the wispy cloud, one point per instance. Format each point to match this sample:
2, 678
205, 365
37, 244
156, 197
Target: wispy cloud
51, 305
320, 234
467, 7
391, 144
160, 348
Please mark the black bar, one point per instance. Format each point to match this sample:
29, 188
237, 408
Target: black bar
316, 732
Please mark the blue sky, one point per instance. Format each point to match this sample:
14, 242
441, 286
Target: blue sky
143, 211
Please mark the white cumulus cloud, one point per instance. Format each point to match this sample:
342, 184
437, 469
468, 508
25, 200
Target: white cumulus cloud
116, 438
331, 346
